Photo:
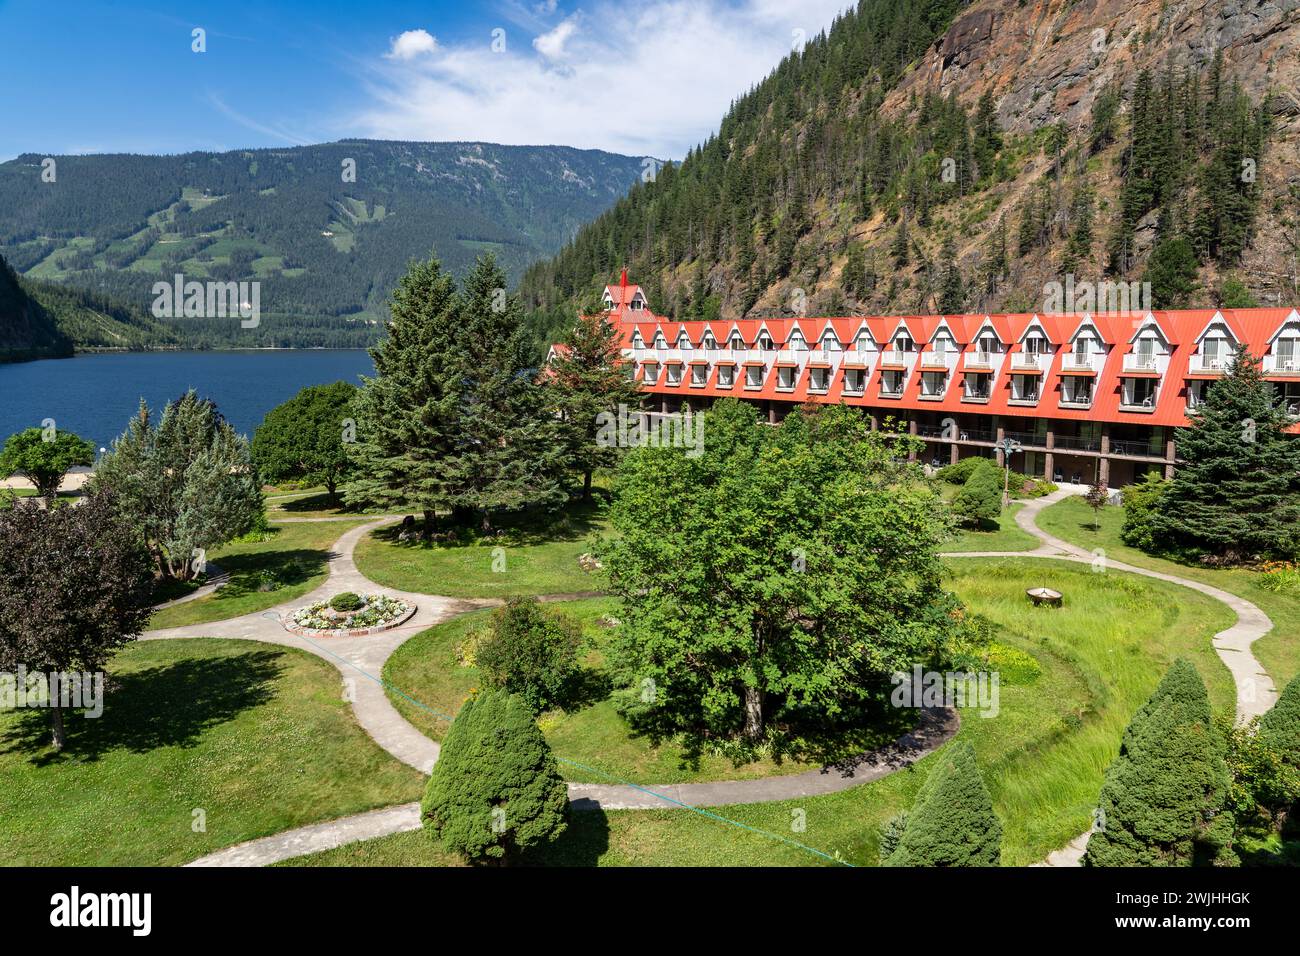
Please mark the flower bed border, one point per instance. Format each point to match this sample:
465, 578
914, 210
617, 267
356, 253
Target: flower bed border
398, 621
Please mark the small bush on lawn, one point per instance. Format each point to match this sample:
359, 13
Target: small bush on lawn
1141, 505
952, 822
531, 652
1280, 577
979, 502
347, 601
496, 789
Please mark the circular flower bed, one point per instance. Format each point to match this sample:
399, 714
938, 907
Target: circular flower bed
372, 613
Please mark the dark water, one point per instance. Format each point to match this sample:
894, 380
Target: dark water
96, 395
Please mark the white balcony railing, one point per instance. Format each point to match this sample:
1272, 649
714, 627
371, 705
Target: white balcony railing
980, 359
1137, 362
1027, 361
1282, 364
1209, 363
1080, 362
896, 357
939, 360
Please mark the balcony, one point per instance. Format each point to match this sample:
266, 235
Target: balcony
1207, 364
897, 358
939, 361
664, 356
986, 360
1080, 400
1027, 439
859, 356
824, 356
1137, 362
1028, 361
1282, 365
1023, 398
1076, 443
1076, 362
1134, 403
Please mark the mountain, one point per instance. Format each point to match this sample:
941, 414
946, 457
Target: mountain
326, 229
27, 330
933, 156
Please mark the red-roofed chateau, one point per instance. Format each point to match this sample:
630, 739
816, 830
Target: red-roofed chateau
1088, 397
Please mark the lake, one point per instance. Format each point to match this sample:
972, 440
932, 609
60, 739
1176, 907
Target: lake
96, 395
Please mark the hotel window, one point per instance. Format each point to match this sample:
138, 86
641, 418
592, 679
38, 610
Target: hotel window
863, 342
637, 341
1286, 352
1213, 351
753, 376
1140, 392
933, 384
1195, 394
1024, 388
1037, 345
979, 385
818, 379
726, 375
903, 342
1076, 390
765, 342
797, 341
785, 377
891, 382
830, 343
855, 380
1146, 352
988, 344
710, 342
651, 370
660, 341
1288, 396
699, 374
674, 374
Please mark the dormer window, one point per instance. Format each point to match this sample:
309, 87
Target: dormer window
987, 344
1037, 345
637, 303
863, 342
684, 341
737, 342
765, 342
830, 343
903, 343
710, 341
637, 341
660, 341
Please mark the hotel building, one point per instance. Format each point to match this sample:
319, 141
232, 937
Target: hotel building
1085, 397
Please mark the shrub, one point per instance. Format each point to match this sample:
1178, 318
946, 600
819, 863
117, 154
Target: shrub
347, 601
958, 473
531, 652
891, 834
1141, 505
979, 502
1281, 577
1163, 799
496, 789
1281, 725
952, 822
1013, 665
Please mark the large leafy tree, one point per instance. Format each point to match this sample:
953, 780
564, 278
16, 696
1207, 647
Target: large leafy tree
1237, 489
952, 822
779, 576
306, 438
44, 457
187, 486
75, 585
1162, 802
587, 377
407, 414
496, 789
507, 451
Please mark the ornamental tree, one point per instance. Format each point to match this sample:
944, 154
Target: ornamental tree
586, 378
778, 576
75, 585
1163, 799
978, 502
306, 438
496, 789
531, 652
187, 486
1237, 489
952, 822
44, 458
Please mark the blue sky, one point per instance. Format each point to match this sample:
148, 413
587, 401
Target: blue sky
645, 78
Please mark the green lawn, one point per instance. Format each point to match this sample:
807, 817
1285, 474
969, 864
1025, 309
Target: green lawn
258, 737
1007, 536
291, 562
520, 560
1043, 756
589, 735
1278, 651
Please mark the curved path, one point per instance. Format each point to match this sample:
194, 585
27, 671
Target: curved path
361, 661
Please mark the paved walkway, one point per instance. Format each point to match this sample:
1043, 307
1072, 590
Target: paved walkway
361, 662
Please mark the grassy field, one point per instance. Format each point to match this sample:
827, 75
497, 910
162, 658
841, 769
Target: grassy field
590, 734
1043, 756
1008, 536
287, 565
518, 560
258, 737
1278, 651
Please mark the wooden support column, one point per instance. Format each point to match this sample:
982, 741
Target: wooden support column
954, 453
1000, 433
911, 430
1049, 459
771, 413
1170, 454
1103, 463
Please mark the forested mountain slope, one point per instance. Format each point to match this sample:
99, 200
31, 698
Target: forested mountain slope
923, 156
326, 229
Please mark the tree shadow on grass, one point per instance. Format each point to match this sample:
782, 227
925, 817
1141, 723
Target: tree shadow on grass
270, 571
171, 705
516, 529
584, 841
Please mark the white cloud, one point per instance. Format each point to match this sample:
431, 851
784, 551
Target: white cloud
411, 44
648, 78
546, 7
551, 44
